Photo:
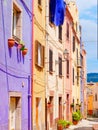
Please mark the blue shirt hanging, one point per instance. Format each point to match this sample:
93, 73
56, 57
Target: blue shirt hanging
57, 11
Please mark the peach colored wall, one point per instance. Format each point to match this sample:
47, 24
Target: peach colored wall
95, 91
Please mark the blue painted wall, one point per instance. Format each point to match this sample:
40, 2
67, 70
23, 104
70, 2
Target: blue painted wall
14, 68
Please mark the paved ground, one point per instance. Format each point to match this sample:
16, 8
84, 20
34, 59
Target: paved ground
83, 125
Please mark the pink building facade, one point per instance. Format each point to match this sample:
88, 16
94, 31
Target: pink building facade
67, 35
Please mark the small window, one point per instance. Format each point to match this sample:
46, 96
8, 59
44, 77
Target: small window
16, 23
73, 44
39, 53
67, 68
50, 60
96, 97
73, 77
50, 17
60, 66
67, 31
39, 2
60, 33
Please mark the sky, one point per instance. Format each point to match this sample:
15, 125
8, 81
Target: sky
89, 20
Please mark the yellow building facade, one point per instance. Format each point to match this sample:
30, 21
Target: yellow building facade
76, 54
39, 69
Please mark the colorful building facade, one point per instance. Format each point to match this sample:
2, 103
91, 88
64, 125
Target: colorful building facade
76, 66
38, 83
15, 72
67, 68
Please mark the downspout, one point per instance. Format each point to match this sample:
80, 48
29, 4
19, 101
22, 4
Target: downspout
30, 78
32, 62
29, 104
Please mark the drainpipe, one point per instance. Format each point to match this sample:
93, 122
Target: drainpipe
32, 62
30, 79
29, 104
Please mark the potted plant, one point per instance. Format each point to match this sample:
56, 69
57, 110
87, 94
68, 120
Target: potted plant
61, 124
68, 123
72, 104
11, 42
24, 50
79, 113
75, 117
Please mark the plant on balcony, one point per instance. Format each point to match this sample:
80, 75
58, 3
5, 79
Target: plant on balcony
75, 117
61, 124
72, 104
68, 123
24, 50
11, 42
80, 114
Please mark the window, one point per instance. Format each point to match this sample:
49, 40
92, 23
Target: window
73, 43
50, 13
60, 66
67, 30
73, 76
15, 107
77, 56
39, 53
67, 62
60, 32
39, 2
96, 97
50, 60
16, 23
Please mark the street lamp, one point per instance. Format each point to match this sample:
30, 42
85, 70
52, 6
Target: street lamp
66, 54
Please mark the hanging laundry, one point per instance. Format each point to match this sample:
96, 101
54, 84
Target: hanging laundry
57, 11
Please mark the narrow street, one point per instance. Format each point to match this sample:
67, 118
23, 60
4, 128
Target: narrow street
84, 125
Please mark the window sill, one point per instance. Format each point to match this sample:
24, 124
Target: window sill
40, 7
39, 66
51, 24
51, 72
60, 40
60, 76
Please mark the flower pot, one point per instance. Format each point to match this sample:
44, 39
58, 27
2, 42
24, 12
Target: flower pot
24, 52
67, 126
11, 42
20, 46
59, 127
75, 122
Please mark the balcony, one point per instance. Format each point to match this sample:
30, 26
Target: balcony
79, 64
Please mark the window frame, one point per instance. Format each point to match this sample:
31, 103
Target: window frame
67, 68
60, 66
60, 33
16, 29
50, 61
67, 30
39, 54
73, 43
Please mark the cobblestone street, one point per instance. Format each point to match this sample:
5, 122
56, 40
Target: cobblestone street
84, 125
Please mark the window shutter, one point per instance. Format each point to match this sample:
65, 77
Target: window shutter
60, 66
67, 68
42, 55
36, 52
73, 43
73, 76
50, 60
67, 30
18, 26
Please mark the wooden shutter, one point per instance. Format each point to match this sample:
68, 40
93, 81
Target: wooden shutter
42, 56
36, 52
50, 60
73, 76
73, 43
60, 66
67, 68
